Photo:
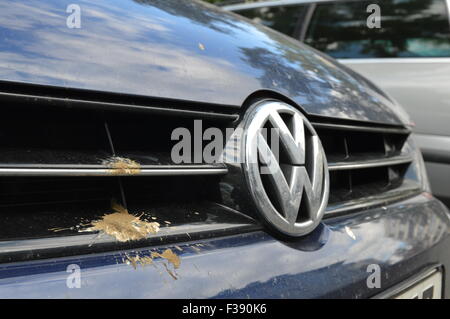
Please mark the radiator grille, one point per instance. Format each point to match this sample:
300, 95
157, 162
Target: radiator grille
56, 170
365, 164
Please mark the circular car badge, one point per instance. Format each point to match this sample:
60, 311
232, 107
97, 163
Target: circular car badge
285, 167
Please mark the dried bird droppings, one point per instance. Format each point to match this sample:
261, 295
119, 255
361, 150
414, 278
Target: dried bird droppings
122, 166
123, 226
138, 260
170, 256
170, 272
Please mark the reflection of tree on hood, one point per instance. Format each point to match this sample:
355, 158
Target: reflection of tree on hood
202, 13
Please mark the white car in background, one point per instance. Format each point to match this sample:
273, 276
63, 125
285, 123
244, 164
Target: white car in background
407, 55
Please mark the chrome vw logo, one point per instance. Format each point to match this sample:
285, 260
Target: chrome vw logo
285, 167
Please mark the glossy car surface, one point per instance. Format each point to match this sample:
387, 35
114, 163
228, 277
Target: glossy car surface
134, 71
180, 46
329, 263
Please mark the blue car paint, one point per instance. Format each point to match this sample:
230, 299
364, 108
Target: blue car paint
173, 49
403, 238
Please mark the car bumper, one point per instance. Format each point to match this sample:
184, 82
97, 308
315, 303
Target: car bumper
404, 239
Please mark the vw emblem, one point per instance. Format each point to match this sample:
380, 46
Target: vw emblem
285, 168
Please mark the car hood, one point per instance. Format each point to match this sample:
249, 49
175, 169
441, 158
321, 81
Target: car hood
181, 50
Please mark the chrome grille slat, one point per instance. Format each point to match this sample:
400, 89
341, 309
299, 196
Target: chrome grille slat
358, 164
68, 158
165, 171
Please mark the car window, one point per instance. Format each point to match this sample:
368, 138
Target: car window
409, 28
285, 19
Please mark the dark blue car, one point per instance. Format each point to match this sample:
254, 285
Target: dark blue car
168, 149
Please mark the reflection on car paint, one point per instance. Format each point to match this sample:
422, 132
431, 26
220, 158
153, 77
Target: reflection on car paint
387, 237
146, 48
167, 254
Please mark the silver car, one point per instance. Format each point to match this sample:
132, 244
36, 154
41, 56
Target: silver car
401, 45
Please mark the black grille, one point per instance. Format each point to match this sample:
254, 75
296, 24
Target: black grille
364, 163
57, 172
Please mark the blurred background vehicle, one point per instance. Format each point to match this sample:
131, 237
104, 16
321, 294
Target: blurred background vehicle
407, 55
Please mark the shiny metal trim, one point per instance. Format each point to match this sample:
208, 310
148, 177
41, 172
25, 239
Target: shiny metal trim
110, 172
361, 128
369, 163
113, 105
287, 188
337, 209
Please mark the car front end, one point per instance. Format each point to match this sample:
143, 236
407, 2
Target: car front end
134, 163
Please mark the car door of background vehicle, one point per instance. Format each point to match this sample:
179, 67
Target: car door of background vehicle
408, 57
